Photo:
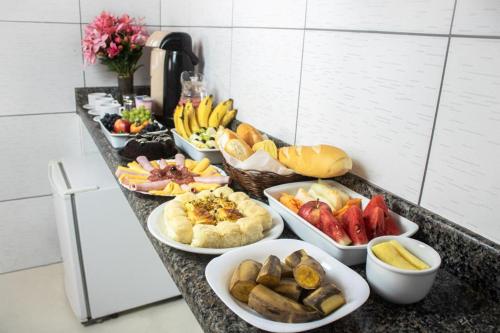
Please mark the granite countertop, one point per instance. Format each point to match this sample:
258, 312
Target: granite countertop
453, 304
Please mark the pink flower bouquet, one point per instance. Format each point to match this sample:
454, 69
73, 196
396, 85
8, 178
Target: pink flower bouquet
116, 41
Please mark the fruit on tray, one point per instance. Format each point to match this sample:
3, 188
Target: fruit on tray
309, 273
217, 218
202, 121
394, 253
244, 279
121, 126
109, 121
204, 138
340, 217
137, 115
170, 177
270, 273
283, 302
321, 161
325, 299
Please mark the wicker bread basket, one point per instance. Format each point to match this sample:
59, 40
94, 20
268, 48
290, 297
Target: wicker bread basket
255, 182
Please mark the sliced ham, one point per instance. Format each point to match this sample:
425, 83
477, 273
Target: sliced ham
179, 161
144, 162
163, 164
212, 180
159, 185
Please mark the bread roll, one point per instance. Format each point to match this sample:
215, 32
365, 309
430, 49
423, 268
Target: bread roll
251, 209
250, 229
230, 234
268, 146
321, 161
223, 135
186, 197
238, 149
223, 191
179, 229
249, 134
237, 196
205, 235
172, 209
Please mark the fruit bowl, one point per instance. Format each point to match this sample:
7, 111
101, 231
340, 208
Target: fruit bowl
214, 155
348, 254
118, 140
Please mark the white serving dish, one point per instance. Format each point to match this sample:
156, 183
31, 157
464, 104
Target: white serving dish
218, 273
214, 155
348, 254
156, 218
119, 140
397, 285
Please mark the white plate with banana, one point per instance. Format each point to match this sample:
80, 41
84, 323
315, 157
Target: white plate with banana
214, 221
340, 290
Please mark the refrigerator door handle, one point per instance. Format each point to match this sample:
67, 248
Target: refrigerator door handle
63, 189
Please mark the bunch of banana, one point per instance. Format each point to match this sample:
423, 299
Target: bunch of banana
188, 120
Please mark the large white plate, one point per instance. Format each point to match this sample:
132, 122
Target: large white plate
156, 218
218, 273
348, 254
219, 170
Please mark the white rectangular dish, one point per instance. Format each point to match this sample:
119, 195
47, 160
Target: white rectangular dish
219, 270
348, 254
214, 155
118, 140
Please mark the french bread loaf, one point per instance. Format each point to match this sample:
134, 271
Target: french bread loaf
249, 134
321, 161
238, 149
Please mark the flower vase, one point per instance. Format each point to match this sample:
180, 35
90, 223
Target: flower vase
125, 86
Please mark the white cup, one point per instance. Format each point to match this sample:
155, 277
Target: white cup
94, 96
103, 100
111, 108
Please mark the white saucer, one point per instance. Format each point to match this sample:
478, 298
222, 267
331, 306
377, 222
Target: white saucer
88, 107
93, 113
96, 119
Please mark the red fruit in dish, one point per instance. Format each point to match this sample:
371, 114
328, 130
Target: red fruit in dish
391, 228
121, 126
375, 223
376, 201
353, 223
310, 211
332, 227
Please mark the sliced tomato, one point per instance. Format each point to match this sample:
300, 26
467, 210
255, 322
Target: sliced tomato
375, 223
376, 201
333, 228
354, 225
391, 227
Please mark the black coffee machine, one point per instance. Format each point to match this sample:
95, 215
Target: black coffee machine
172, 54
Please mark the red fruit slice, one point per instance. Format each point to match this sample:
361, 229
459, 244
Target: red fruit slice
376, 201
391, 228
332, 227
375, 223
354, 225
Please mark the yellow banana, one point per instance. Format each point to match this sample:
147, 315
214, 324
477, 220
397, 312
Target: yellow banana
179, 126
185, 122
219, 112
193, 123
204, 110
228, 117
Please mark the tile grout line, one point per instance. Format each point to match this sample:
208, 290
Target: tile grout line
26, 198
231, 51
424, 176
81, 38
300, 76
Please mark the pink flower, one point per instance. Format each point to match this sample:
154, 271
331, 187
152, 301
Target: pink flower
118, 39
113, 50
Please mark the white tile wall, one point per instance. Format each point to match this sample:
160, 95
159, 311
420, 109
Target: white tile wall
477, 17
98, 75
147, 9
28, 235
196, 13
265, 73
462, 178
40, 67
264, 13
213, 48
49, 11
424, 16
375, 96
29, 142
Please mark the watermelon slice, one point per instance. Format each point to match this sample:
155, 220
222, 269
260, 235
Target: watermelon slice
354, 225
391, 227
376, 201
375, 223
332, 227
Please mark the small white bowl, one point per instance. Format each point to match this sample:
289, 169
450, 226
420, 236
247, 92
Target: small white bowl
197, 154
397, 285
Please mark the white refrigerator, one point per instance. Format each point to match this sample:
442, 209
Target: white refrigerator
109, 263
